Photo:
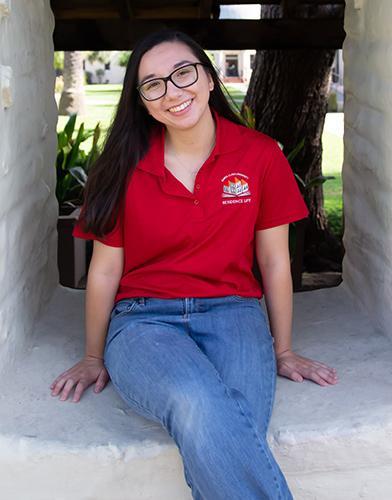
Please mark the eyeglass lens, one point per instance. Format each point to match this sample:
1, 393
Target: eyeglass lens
182, 77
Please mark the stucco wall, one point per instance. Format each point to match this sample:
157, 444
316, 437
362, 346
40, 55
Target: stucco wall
28, 208
367, 170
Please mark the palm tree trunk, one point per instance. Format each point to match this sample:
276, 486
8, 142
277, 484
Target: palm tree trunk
72, 99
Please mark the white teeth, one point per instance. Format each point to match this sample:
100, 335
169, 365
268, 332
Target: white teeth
182, 106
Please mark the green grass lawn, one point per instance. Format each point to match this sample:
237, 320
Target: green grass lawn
102, 99
333, 203
332, 165
236, 94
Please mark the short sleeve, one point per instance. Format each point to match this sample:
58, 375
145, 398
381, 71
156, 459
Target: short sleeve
114, 238
281, 201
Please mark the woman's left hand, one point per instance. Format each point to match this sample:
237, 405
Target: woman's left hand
298, 368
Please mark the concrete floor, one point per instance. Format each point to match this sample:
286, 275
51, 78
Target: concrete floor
333, 443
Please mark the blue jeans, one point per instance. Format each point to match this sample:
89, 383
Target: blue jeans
205, 369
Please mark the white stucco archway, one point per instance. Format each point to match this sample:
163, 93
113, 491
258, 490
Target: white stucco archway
367, 175
331, 443
28, 206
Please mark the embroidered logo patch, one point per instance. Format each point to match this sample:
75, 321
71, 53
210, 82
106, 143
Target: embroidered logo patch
235, 188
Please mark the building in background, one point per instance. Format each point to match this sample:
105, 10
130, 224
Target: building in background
234, 66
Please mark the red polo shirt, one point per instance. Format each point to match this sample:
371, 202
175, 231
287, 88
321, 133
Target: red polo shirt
182, 244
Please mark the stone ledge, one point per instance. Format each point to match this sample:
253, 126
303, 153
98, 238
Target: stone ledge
335, 442
332, 442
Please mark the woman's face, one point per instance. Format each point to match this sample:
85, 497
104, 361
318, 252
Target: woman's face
179, 108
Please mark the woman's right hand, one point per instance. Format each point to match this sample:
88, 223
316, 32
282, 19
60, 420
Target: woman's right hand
81, 376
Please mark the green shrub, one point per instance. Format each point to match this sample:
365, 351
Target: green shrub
73, 163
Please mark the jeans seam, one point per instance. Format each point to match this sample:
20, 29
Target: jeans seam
258, 439
271, 391
272, 371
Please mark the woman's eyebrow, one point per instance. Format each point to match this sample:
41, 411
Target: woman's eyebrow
175, 66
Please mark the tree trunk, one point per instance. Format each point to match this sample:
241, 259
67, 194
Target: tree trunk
72, 99
288, 94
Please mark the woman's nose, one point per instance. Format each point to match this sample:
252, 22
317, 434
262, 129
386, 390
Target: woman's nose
172, 90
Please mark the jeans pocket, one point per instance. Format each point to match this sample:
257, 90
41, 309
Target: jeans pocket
123, 306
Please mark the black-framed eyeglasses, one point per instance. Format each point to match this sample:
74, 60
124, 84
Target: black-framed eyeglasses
182, 77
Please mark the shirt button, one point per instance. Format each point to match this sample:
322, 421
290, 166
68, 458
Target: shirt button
196, 202
197, 186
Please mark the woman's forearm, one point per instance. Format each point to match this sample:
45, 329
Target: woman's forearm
100, 294
278, 293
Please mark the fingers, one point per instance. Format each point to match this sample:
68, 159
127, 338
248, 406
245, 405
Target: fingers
101, 381
298, 368
58, 384
67, 389
329, 375
297, 377
65, 386
80, 388
318, 379
80, 377
56, 381
314, 375
323, 376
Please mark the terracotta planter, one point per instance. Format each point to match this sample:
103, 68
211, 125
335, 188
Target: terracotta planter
71, 252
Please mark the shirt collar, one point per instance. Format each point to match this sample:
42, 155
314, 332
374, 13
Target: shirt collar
229, 137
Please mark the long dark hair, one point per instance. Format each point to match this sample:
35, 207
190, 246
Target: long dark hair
128, 137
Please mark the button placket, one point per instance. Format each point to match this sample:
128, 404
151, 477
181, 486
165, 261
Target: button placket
196, 190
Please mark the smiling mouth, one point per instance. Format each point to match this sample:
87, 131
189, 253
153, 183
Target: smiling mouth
181, 107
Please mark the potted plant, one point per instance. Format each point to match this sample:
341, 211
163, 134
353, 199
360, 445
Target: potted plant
72, 167
297, 229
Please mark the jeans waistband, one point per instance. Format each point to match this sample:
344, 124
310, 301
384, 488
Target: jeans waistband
144, 300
